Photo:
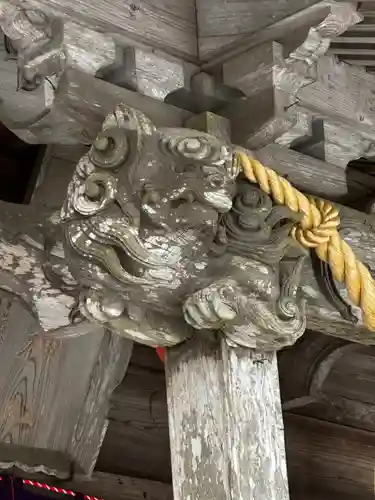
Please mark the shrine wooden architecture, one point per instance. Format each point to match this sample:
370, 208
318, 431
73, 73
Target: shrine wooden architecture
136, 213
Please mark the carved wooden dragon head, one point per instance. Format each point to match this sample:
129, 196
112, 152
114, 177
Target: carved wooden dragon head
149, 225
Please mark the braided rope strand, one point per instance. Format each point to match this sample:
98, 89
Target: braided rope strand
318, 230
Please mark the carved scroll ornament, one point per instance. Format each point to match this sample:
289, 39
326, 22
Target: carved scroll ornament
164, 239
37, 49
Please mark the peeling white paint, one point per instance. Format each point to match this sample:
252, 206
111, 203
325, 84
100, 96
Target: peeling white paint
226, 425
53, 311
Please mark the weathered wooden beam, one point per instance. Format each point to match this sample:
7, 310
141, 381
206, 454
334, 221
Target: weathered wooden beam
31, 460
225, 422
283, 30
149, 73
342, 99
292, 101
365, 40
329, 379
358, 230
46, 45
22, 272
329, 460
137, 439
118, 487
169, 26
83, 102
253, 73
48, 362
353, 51
335, 183
39, 373
107, 371
223, 26
37, 48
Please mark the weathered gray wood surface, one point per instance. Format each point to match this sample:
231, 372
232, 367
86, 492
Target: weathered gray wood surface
141, 397
107, 372
137, 439
222, 23
20, 104
289, 31
225, 423
306, 97
149, 72
329, 460
318, 454
117, 487
21, 265
329, 379
54, 392
358, 43
30, 460
344, 102
169, 25
335, 183
82, 102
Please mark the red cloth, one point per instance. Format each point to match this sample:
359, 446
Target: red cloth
161, 353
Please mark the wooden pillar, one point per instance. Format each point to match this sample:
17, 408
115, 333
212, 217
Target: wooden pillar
225, 420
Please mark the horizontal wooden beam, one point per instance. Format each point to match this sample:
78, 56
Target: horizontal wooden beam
279, 30
84, 101
28, 460
367, 10
352, 51
335, 183
167, 25
356, 39
114, 487
329, 379
360, 28
360, 62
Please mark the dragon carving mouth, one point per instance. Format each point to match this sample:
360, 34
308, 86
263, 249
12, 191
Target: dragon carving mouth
115, 246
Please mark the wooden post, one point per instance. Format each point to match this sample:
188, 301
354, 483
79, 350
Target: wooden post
225, 420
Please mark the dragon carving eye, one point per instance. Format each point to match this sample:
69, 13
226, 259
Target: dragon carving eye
95, 194
194, 146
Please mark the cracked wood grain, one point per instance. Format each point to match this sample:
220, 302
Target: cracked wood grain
54, 392
224, 23
169, 25
225, 421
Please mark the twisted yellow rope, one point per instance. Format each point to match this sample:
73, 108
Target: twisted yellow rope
318, 230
